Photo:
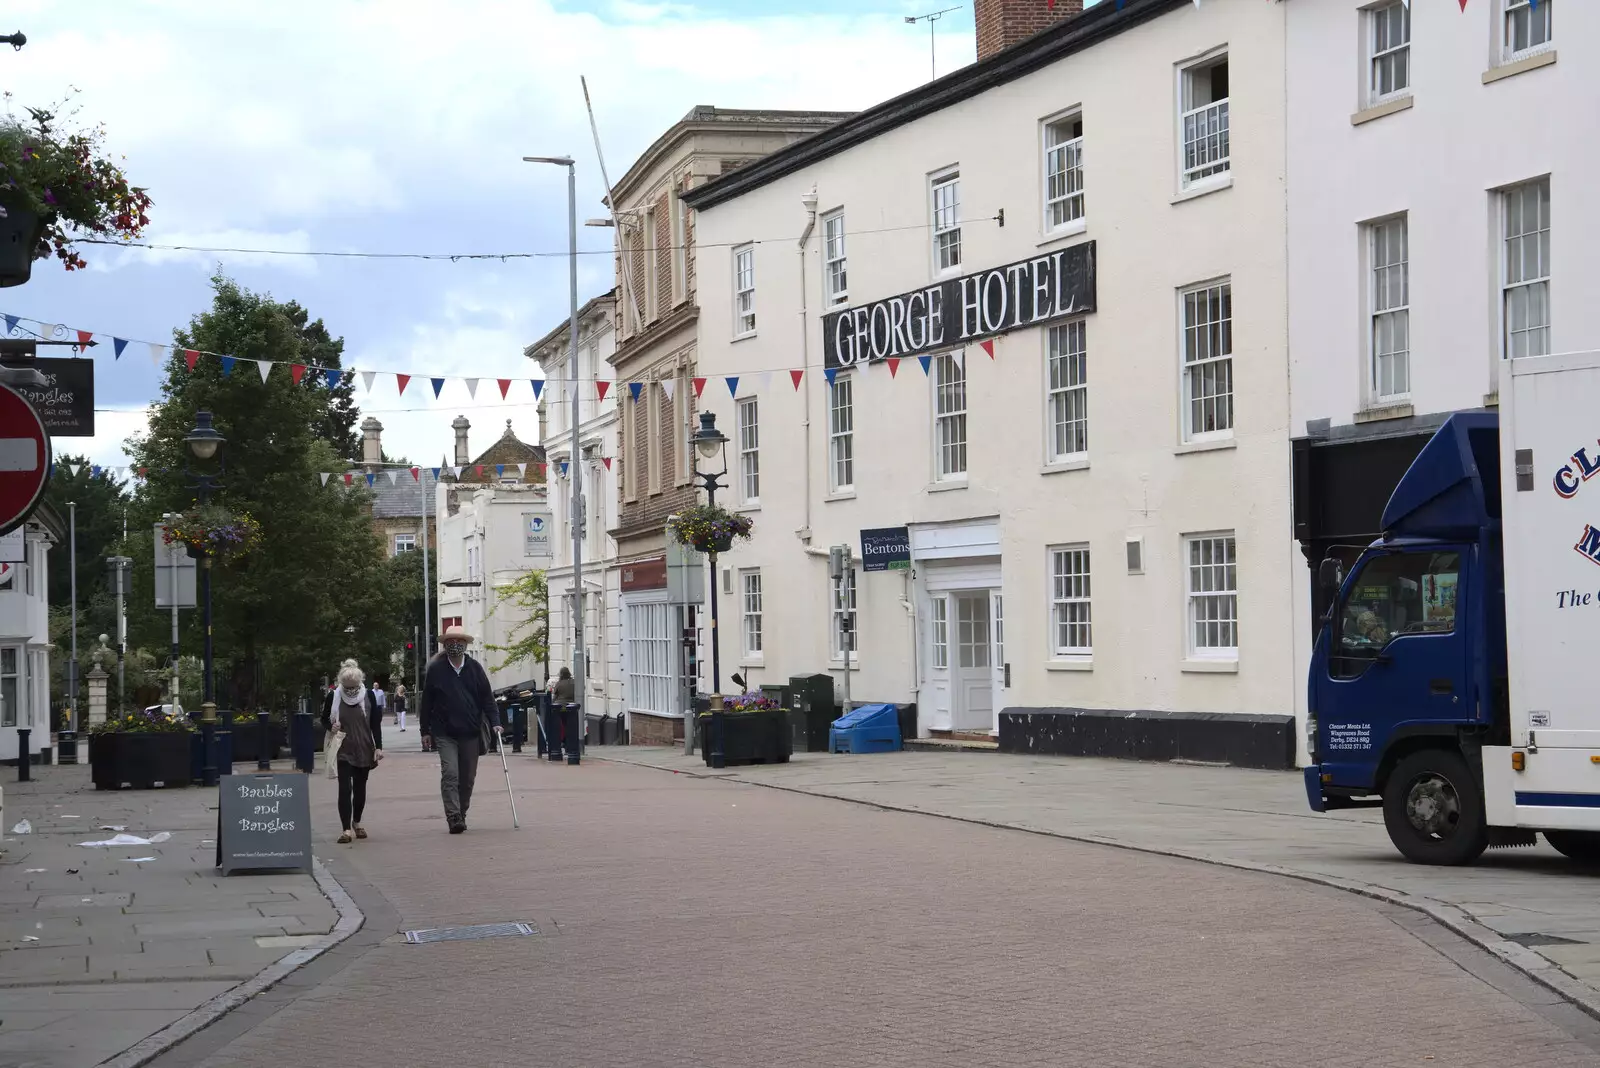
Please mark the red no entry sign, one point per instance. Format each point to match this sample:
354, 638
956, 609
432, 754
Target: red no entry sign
24, 459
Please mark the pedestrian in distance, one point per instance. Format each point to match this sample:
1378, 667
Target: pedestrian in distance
383, 698
354, 709
399, 703
565, 689
458, 714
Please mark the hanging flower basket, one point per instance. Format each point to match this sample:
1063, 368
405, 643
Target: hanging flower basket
57, 186
707, 528
214, 532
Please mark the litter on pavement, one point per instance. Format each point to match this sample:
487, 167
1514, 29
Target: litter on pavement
140, 860
131, 840
33, 871
23, 827
113, 826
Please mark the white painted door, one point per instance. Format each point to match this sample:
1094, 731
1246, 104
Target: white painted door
974, 662
936, 695
997, 610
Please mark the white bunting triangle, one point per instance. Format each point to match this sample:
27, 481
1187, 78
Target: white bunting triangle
324, 476
472, 388
522, 470
455, 473
47, 331
366, 379
667, 386
155, 353
959, 357
265, 367
393, 477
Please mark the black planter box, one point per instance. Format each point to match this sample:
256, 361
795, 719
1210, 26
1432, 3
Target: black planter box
139, 761
247, 740
749, 737
1246, 741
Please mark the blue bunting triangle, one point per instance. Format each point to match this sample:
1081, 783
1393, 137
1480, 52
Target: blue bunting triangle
435, 471
332, 374
925, 361
636, 388
733, 385
227, 365
371, 478
563, 465
500, 470
438, 384
11, 324
119, 344
830, 373
538, 387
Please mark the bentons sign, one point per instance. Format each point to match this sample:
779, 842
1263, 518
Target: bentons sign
951, 313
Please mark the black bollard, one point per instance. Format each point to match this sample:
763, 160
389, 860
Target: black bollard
574, 733
305, 754
265, 750
24, 754
555, 728
718, 755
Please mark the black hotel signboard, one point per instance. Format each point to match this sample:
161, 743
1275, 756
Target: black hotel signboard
956, 311
264, 823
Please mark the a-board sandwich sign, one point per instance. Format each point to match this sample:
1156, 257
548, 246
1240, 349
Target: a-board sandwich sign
264, 823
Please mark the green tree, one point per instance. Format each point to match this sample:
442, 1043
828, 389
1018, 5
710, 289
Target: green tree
314, 591
102, 509
530, 637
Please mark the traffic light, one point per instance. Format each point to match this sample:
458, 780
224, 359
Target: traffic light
410, 646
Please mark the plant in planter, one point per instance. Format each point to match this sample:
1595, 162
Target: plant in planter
140, 750
57, 186
753, 729
709, 528
212, 531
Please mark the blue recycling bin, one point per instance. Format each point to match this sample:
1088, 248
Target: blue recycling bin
868, 729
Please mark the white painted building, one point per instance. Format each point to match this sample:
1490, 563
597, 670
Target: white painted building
1097, 513
25, 633
1438, 222
596, 451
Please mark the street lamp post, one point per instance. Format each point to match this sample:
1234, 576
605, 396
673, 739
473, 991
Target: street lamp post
204, 442
575, 458
711, 443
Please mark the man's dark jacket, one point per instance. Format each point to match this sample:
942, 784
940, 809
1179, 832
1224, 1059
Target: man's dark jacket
456, 706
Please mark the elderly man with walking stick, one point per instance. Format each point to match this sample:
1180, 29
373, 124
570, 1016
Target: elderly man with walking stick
457, 713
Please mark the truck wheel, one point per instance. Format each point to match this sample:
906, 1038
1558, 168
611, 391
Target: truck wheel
1433, 809
1581, 846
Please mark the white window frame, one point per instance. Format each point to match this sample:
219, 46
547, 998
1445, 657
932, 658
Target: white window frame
750, 597
841, 434
1204, 126
944, 214
652, 280
682, 419
1524, 282
680, 252
1066, 372
404, 543
652, 417
939, 631
1211, 595
744, 291
835, 264
10, 715
652, 652
594, 501
1389, 304
1387, 54
949, 382
749, 446
1200, 351
1071, 606
836, 612
1063, 159
1512, 11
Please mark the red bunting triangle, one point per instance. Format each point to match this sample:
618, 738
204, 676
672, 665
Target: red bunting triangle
1463, 5
190, 357
403, 380
416, 474
296, 370
142, 471
347, 478
894, 365
794, 376
699, 387
988, 346
477, 469
607, 461
83, 340
538, 470
601, 387
505, 387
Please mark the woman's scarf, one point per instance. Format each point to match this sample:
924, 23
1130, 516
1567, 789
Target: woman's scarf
358, 696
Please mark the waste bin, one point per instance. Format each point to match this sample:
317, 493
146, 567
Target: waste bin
811, 712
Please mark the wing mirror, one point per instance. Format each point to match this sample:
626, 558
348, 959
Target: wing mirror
1330, 574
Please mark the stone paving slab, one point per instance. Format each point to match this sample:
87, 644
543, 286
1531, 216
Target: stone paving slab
152, 940
1226, 814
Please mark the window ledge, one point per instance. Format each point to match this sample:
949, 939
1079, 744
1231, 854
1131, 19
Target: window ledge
743, 337
1378, 413
1072, 229
946, 487
753, 662
1205, 186
1205, 446
836, 664
1078, 664
1519, 66
1202, 666
842, 495
1061, 466
756, 507
1491, 400
1378, 111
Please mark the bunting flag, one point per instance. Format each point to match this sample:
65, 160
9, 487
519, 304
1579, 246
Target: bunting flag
394, 477
117, 343
600, 388
925, 361
562, 466
505, 387
190, 357
84, 337
297, 371
404, 381
11, 324
500, 470
894, 365
636, 388
438, 384
733, 384
48, 330
332, 375
959, 358
155, 353
830, 373
143, 471
324, 476
477, 470
265, 367
371, 478
472, 388
699, 387
347, 478
455, 473
227, 366
795, 377
435, 472
607, 461
416, 474
522, 470
669, 386
367, 379
988, 346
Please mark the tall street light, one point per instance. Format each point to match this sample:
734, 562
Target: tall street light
711, 443
575, 458
204, 441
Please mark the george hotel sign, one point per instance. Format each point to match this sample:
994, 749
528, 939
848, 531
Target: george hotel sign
955, 311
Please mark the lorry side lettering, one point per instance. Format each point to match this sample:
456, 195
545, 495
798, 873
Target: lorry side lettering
1566, 482
1589, 470
1589, 543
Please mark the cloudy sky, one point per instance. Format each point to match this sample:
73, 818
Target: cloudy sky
398, 126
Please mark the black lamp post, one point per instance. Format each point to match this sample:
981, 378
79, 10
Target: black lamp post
205, 442
712, 443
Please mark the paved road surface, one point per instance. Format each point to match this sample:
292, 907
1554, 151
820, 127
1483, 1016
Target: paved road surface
697, 922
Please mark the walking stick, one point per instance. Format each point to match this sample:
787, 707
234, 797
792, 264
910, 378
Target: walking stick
500, 744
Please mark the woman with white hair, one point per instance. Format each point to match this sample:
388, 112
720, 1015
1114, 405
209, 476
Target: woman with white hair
355, 711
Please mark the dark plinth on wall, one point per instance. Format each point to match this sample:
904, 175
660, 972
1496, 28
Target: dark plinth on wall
1214, 737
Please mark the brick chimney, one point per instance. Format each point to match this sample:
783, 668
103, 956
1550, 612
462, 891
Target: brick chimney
460, 426
371, 443
1002, 23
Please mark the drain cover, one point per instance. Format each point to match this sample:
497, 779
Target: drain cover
468, 934
1534, 938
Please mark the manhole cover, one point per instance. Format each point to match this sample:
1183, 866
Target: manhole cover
468, 934
1534, 938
